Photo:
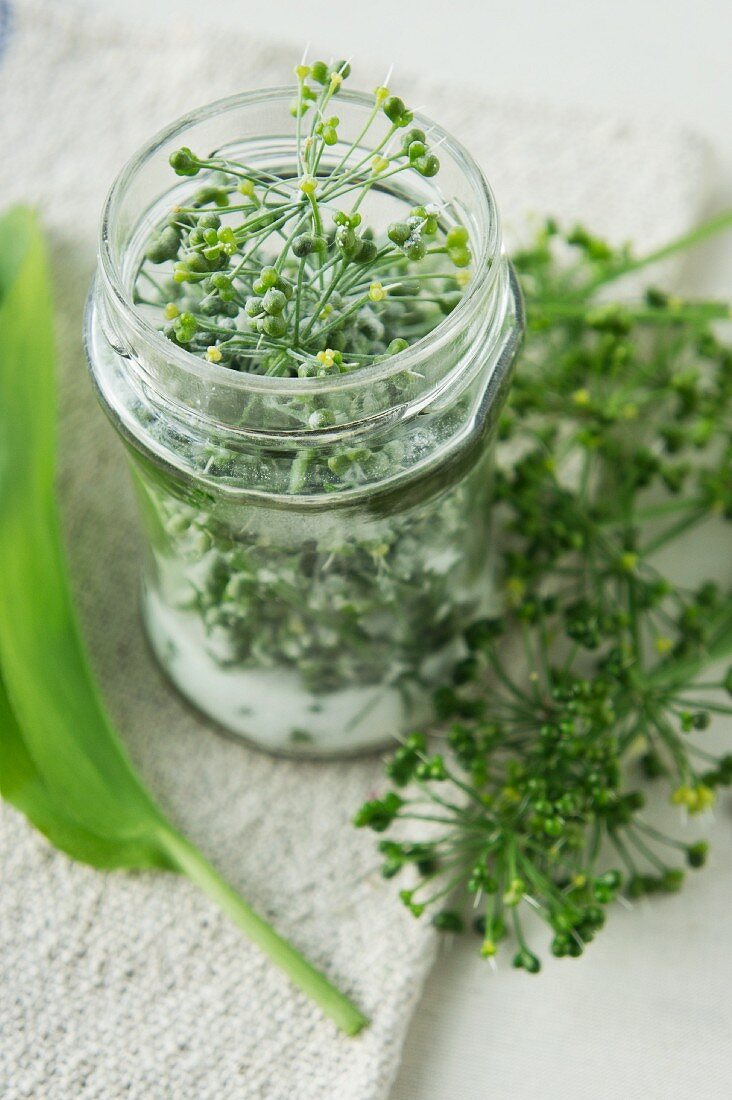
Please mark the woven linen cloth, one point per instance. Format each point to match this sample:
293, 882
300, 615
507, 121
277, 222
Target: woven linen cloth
134, 985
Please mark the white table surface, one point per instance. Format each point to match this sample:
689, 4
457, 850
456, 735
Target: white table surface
647, 1012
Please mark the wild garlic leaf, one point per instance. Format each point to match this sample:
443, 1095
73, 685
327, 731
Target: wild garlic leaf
21, 785
61, 761
51, 690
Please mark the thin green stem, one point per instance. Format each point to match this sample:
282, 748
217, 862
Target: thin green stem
314, 984
711, 228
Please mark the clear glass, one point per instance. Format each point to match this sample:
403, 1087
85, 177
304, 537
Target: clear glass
307, 588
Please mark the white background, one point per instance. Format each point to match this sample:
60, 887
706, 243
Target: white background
646, 1014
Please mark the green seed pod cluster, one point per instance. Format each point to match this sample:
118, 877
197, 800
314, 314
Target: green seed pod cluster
265, 308
306, 244
457, 246
396, 111
409, 235
330, 78
184, 162
328, 130
416, 148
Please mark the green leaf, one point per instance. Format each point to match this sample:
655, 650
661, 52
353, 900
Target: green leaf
47, 678
21, 784
61, 762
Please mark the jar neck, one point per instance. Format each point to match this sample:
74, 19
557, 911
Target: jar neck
237, 408
396, 427
247, 405
436, 448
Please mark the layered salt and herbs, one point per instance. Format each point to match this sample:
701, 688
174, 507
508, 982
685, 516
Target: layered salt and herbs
304, 630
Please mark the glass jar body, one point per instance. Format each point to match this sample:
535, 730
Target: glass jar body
307, 588
313, 631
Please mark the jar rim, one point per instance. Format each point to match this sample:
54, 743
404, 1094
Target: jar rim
410, 359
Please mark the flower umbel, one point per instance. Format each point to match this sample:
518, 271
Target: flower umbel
598, 675
318, 230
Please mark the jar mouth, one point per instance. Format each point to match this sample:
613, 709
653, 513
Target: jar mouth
486, 249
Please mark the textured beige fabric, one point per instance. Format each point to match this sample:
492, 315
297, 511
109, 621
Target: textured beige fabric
134, 986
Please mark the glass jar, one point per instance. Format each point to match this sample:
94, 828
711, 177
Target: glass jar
307, 587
